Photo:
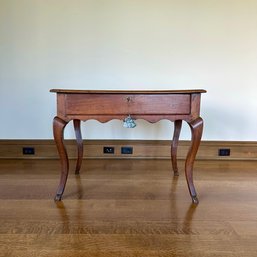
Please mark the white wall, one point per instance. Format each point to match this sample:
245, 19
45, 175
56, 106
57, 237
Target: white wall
128, 44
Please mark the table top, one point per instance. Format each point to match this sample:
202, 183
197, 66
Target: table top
71, 91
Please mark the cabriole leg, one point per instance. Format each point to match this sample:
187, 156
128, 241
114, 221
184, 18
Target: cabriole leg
196, 127
58, 129
77, 129
174, 146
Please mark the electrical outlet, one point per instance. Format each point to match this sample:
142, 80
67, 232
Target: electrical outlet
224, 152
28, 150
108, 149
126, 150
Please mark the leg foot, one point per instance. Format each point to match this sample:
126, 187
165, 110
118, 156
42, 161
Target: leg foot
58, 197
176, 173
195, 199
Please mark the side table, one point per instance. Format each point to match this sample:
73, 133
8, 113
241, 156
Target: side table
105, 105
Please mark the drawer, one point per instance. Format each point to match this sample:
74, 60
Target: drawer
159, 104
119, 104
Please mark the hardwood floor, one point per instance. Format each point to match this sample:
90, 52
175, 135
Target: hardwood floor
128, 208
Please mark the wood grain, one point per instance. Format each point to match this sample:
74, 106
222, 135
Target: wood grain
128, 208
96, 104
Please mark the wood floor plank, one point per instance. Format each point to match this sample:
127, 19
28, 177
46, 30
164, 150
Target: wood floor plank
117, 242
128, 253
128, 208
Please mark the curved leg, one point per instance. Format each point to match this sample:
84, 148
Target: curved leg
76, 124
196, 130
174, 146
58, 129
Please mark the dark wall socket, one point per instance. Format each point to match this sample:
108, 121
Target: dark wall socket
224, 152
28, 150
108, 150
126, 150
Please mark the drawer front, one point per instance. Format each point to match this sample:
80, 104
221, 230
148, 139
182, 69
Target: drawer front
159, 104
109, 104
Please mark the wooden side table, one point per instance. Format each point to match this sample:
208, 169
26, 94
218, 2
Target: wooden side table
105, 105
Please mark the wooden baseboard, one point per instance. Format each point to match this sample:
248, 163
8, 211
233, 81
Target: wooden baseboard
153, 149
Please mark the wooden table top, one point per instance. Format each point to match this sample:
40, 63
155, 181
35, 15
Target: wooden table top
71, 91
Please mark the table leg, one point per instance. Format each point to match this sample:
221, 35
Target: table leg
196, 127
76, 124
174, 146
58, 129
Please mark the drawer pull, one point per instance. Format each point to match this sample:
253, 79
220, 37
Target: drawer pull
128, 122
129, 99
